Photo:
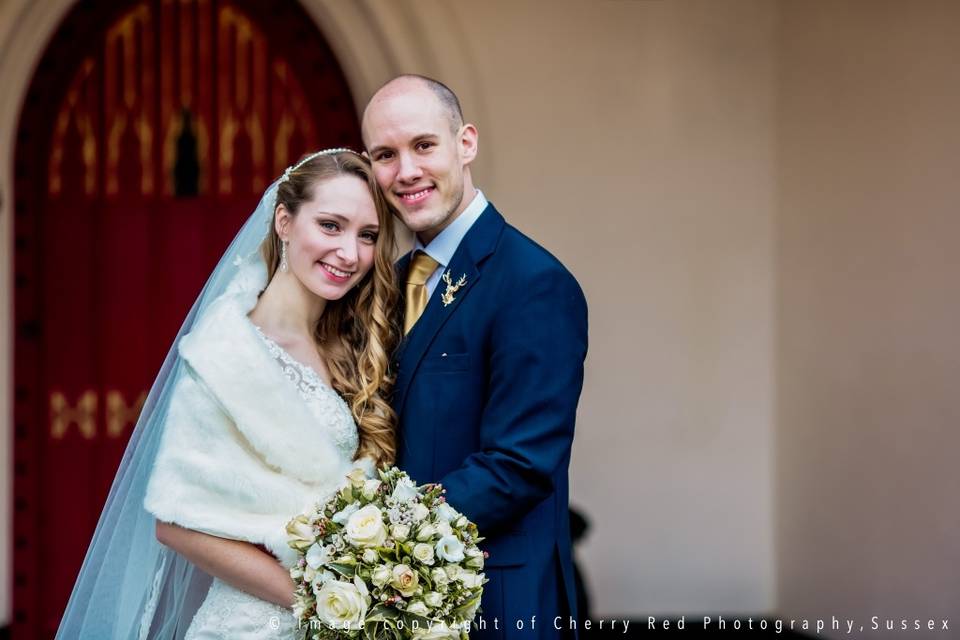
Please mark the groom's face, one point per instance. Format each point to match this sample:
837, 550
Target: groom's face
419, 161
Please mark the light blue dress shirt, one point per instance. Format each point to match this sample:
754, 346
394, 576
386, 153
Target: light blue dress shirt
445, 244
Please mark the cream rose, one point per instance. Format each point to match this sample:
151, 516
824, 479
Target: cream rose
381, 575
474, 558
365, 528
418, 608
405, 580
470, 579
425, 532
450, 549
453, 570
357, 477
444, 529
343, 605
424, 553
433, 599
300, 533
400, 532
439, 577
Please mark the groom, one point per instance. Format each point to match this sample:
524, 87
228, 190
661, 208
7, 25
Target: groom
490, 370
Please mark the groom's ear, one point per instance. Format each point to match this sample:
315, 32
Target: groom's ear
468, 142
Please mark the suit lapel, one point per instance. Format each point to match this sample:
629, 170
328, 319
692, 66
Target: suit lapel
479, 243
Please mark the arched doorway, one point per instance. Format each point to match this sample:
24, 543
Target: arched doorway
149, 130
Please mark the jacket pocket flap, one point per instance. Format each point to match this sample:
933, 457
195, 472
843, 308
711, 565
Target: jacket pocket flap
508, 550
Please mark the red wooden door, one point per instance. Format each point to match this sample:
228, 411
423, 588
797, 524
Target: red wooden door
149, 132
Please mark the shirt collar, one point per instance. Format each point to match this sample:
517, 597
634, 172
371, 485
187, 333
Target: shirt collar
445, 244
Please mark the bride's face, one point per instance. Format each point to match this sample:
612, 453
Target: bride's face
331, 239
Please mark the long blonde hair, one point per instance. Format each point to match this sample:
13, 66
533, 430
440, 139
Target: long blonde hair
358, 332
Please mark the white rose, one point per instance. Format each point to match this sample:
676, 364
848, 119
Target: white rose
418, 608
424, 553
365, 528
317, 555
433, 599
400, 532
438, 631
344, 514
404, 491
450, 549
370, 556
300, 533
443, 528
357, 477
446, 513
342, 605
474, 558
405, 580
381, 575
419, 512
439, 576
470, 579
453, 570
426, 532
370, 488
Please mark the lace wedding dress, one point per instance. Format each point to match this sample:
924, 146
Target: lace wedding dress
227, 612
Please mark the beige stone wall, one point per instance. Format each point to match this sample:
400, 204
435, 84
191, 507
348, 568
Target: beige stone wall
868, 309
636, 141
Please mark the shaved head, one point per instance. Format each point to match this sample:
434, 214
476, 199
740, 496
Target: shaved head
447, 98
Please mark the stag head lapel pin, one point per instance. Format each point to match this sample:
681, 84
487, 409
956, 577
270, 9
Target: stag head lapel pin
452, 288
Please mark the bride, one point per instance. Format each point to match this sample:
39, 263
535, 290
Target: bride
274, 390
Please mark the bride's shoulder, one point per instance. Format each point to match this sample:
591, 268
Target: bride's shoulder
225, 318
222, 324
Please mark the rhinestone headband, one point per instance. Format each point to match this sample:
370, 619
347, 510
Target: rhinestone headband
324, 152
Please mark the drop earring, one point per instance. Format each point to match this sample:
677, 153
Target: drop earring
283, 257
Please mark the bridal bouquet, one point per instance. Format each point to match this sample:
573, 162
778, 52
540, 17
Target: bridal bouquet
384, 558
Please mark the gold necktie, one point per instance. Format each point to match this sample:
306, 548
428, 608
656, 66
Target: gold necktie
421, 268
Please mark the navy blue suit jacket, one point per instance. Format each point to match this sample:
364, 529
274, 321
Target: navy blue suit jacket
486, 393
